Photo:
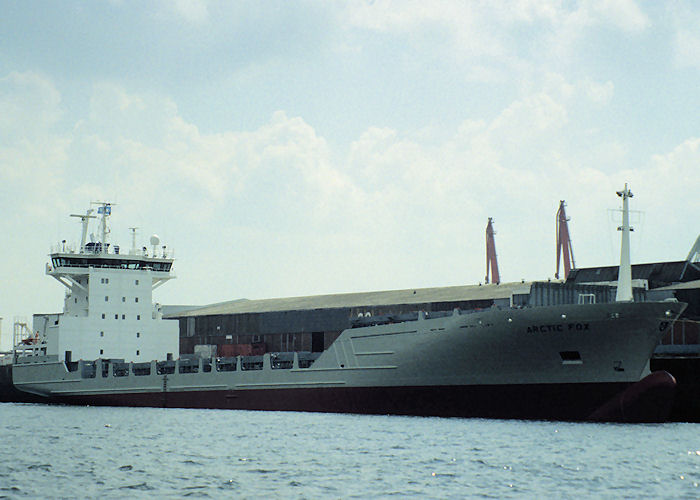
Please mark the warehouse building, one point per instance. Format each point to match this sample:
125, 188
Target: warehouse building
312, 323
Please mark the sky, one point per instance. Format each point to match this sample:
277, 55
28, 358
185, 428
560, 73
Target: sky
299, 148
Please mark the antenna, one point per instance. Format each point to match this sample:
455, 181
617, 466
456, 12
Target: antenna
133, 240
105, 210
624, 275
491, 260
564, 241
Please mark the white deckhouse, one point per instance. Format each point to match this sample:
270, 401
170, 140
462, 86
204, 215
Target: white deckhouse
108, 311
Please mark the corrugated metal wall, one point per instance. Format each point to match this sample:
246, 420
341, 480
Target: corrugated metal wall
284, 330
549, 294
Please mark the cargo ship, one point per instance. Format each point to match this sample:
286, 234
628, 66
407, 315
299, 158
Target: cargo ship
111, 346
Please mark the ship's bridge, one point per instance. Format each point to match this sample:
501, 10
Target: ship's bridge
68, 260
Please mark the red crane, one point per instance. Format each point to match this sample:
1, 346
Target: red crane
491, 261
564, 242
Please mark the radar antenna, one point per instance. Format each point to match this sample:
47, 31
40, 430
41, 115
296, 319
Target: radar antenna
155, 241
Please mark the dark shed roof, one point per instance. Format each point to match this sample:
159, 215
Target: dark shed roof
658, 274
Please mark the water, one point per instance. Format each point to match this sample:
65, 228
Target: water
68, 452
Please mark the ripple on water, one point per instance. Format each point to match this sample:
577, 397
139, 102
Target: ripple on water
140, 487
335, 456
42, 467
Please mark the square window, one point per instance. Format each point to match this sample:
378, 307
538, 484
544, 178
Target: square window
102, 351
116, 316
138, 317
123, 316
137, 282
138, 352
123, 299
136, 299
76, 300
106, 298
103, 315
138, 334
106, 280
102, 334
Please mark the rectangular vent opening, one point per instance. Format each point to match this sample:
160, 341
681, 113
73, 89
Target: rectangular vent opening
570, 358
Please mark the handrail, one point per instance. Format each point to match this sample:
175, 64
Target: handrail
104, 266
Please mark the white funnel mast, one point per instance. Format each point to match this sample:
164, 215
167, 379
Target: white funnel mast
624, 276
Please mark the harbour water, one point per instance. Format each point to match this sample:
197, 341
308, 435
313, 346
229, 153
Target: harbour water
89, 452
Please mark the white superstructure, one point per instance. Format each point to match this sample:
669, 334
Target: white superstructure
108, 311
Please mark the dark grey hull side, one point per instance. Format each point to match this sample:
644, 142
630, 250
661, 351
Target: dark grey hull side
572, 402
8, 392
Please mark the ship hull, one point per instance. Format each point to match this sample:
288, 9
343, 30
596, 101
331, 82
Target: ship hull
550, 401
572, 402
556, 363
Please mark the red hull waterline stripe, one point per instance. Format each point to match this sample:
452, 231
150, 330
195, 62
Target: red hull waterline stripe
542, 402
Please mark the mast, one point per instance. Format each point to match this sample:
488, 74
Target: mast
491, 260
84, 219
564, 242
624, 277
105, 209
133, 240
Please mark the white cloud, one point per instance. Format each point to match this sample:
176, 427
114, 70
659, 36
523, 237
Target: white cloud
599, 93
678, 171
493, 43
624, 14
192, 11
687, 49
29, 105
33, 153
